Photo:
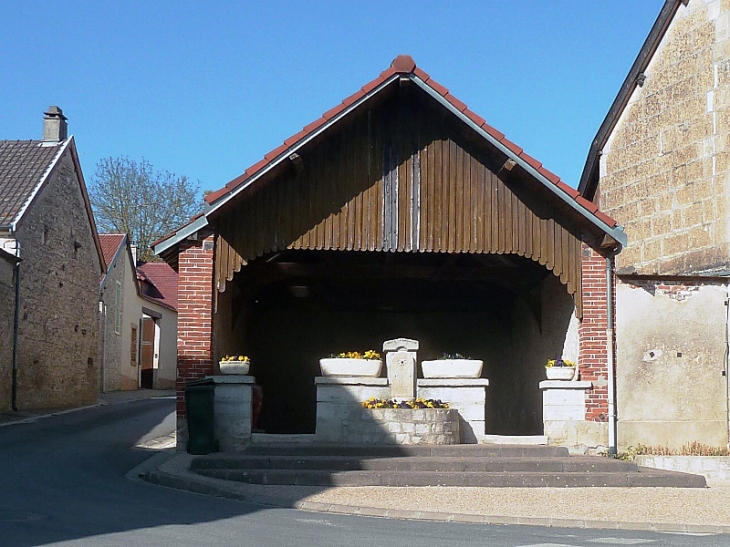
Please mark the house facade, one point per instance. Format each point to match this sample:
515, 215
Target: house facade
401, 213
8, 268
120, 310
46, 222
660, 166
138, 320
158, 352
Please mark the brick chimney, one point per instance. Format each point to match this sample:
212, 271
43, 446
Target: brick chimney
55, 128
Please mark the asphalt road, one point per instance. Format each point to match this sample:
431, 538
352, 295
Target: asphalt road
63, 483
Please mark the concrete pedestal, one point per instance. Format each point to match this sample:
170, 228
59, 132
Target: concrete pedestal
339, 402
233, 411
563, 413
467, 395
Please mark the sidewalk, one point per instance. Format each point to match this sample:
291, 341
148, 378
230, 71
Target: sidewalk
684, 510
116, 397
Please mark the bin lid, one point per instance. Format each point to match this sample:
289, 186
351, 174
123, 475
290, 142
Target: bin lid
199, 383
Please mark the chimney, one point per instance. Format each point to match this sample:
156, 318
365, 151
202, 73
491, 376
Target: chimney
55, 128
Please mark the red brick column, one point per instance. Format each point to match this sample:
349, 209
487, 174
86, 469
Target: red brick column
593, 358
194, 314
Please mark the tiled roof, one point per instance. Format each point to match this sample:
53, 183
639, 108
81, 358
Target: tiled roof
159, 283
23, 166
110, 244
405, 65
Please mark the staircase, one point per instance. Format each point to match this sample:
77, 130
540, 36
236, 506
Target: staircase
475, 465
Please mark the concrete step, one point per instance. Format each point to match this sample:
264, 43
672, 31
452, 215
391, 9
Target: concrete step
415, 463
309, 477
440, 451
481, 465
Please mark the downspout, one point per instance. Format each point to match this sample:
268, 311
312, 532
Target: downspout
16, 330
725, 371
610, 341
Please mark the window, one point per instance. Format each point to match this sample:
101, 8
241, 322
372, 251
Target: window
118, 308
133, 348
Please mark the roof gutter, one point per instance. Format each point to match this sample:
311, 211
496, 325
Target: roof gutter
616, 232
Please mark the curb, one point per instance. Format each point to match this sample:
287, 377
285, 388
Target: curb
173, 473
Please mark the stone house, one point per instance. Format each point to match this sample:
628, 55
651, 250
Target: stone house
138, 320
47, 225
400, 213
8, 269
660, 165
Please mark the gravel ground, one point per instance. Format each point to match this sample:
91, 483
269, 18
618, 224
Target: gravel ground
695, 506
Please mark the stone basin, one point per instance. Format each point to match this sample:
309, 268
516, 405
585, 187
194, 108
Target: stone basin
342, 366
452, 368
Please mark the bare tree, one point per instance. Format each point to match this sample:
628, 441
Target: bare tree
132, 198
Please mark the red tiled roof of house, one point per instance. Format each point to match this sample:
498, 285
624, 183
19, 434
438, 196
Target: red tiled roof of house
159, 283
404, 64
110, 244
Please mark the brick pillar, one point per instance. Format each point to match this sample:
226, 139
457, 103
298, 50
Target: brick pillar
194, 314
593, 358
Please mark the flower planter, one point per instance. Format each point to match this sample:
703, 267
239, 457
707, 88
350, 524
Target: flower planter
234, 367
342, 366
452, 368
560, 373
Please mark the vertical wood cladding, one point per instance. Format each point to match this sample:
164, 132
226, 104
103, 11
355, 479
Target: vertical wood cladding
397, 178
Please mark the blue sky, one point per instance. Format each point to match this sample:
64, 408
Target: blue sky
205, 89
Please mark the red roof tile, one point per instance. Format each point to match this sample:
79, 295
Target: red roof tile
403, 64
159, 283
530, 160
110, 244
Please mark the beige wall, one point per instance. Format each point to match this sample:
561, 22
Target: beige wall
116, 347
58, 338
670, 359
7, 312
664, 171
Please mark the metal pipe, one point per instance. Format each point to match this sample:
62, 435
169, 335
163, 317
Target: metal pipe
610, 355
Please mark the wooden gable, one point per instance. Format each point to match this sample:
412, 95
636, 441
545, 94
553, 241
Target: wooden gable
399, 176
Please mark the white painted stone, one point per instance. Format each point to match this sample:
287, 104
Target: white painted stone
402, 374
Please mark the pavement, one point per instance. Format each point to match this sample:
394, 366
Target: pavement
676, 510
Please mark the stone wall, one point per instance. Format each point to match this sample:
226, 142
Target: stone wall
7, 312
58, 334
670, 359
665, 169
402, 426
110, 341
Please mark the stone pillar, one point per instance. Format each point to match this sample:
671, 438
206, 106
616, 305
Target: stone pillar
232, 410
400, 360
564, 417
466, 395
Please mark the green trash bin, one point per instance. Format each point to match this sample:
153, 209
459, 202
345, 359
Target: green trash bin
201, 417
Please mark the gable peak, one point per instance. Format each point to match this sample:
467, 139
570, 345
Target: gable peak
403, 64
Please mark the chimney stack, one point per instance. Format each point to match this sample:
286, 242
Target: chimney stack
55, 128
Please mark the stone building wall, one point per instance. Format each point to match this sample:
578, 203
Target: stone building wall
110, 340
58, 336
7, 312
671, 385
665, 169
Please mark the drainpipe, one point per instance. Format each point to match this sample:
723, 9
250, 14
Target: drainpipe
725, 371
610, 354
16, 329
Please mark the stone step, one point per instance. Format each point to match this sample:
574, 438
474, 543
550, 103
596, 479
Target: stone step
415, 463
371, 450
641, 478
